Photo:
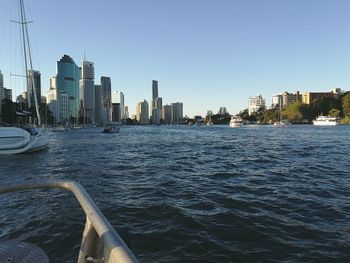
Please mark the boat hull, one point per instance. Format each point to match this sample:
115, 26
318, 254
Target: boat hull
16, 140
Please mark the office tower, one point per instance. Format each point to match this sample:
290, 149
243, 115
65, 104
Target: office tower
98, 103
154, 93
142, 112
176, 112
126, 112
255, 103
106, 86
116, 112
64, 90
35, 79
166, 114
87, 91
118, 97
156, 116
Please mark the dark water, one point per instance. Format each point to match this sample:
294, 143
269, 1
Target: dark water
192, 194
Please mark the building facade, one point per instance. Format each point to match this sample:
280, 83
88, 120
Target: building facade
142, 112
98, 103
87, 92
34, 79
255, 103
289, 98
311, 97
176, 112
166, 114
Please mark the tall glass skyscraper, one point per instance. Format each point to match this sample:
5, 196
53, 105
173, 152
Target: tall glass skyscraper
67, 82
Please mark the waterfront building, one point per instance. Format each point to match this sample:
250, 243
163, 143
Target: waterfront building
65, 85
98, 103
126, 112
288, 98
277, 101
154, 93
118, 97
223, 111
166, 114
87, 92
156, 116
53, 103
35, 78
116, 112
310, 97
142, 112
255, 103
176, 112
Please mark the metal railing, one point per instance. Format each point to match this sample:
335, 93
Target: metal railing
100, 242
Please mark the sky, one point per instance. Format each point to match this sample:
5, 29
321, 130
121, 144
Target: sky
204, 53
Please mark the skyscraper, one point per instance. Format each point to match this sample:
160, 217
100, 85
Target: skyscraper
118, 97
63, 86
106, 87
176, 112
166, 114
98, 103
87, 91
154, 93
35, 78
142, 112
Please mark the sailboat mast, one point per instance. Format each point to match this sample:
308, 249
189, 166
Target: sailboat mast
26, 47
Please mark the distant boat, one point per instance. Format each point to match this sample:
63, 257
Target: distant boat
15, 140
326, 121
236, 121
110, 128
282, 123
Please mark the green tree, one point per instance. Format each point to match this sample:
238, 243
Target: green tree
346, 104
292, 112
334, 112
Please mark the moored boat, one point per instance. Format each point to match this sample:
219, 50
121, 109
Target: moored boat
236, 121
326, 121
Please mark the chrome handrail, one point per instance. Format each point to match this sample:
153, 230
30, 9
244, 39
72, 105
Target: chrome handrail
100, 242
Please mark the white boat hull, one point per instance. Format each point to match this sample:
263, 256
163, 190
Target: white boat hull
325, 123
16, 140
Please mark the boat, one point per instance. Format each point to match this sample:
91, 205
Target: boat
282, 123
110, 128
326, 121
99, 242
14, 140
236, 121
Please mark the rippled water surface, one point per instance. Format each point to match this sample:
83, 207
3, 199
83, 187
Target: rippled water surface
192, 194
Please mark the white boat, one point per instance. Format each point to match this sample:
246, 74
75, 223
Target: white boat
210, 122
15, 140
236, 121
326, 121
282, 123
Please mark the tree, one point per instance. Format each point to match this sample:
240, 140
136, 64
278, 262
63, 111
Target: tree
292, 112
334, 112
346, 104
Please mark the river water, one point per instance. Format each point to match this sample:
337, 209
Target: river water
192, 194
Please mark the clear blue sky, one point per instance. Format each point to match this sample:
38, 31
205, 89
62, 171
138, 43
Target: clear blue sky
204, 53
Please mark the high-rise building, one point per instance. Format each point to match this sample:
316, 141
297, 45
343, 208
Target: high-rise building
176, 112
142, 112
166, 114
255, 103
35, 79
106, 86
126, 112
118, 97
277, 101
116, 112
98, 103
87, 91
156, 116
66, 84
288, 98
154, 93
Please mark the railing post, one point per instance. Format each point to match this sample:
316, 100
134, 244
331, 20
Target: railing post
91, 246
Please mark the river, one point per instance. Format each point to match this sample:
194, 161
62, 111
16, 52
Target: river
191, 194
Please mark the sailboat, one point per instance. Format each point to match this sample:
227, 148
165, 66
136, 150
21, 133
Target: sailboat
15, 140
280, 122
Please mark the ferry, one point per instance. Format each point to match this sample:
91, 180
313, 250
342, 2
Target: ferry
326, 121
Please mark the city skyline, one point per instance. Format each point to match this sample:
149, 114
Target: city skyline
205, 54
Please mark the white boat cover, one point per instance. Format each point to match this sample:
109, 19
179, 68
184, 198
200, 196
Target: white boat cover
13, 138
